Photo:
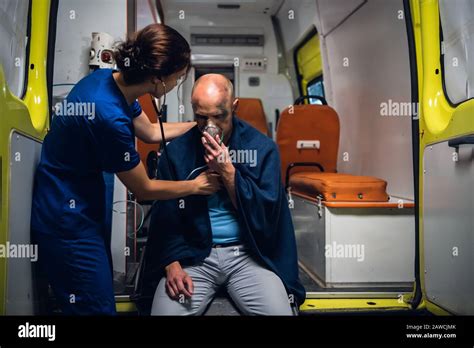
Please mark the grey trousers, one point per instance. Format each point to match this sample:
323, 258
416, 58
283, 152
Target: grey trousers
254, 289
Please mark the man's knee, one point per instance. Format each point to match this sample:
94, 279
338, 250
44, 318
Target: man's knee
274, 301
268, 295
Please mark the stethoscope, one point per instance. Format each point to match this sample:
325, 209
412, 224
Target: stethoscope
161, 112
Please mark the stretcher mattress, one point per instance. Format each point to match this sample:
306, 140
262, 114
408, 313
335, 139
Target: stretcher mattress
339, 187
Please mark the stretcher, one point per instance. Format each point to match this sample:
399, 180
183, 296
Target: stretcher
350, 232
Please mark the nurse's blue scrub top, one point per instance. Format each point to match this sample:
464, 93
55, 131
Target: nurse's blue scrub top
84, 140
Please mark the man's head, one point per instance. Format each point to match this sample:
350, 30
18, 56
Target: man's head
214, 103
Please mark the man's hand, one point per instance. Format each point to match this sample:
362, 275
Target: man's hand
217, 156
178, 281
217, 159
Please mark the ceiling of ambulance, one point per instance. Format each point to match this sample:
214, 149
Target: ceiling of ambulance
269, 7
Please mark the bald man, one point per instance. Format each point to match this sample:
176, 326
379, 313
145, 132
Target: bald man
240, 238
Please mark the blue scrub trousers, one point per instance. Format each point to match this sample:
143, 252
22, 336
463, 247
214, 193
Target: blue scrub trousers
80, 273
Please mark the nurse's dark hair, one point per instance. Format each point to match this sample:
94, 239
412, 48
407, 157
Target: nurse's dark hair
156, 50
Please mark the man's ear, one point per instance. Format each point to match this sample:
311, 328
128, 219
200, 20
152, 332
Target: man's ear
154, 80
235, 104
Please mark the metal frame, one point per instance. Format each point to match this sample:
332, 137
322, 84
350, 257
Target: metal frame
312, 32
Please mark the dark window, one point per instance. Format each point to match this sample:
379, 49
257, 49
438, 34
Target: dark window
315, 87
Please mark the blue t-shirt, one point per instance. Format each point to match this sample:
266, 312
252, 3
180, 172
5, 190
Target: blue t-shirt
91, 132
224, 223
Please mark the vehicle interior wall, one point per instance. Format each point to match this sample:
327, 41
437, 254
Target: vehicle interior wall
146, 13
366, 74
377, 74
76, 21
201, 17
295, 18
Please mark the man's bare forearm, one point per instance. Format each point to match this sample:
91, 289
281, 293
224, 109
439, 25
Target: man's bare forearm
228, 179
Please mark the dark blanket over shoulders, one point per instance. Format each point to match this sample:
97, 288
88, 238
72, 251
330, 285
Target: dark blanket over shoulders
180, 229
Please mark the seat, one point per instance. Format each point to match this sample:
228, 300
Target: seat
148, 152
316, 127
308, 140
222, 305
251, 111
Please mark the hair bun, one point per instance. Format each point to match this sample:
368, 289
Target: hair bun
156, 50
128, 56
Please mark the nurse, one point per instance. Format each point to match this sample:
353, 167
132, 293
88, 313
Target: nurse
95, 132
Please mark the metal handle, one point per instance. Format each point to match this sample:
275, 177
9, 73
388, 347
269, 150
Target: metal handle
467, 140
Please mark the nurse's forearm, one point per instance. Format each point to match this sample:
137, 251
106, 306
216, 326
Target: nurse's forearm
145, 189
150, 133
172, 130
137, 181
163, 190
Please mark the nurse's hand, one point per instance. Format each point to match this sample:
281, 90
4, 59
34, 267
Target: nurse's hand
207, 183
178, 282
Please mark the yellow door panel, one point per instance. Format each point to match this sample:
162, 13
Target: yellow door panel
439, 121
28, 117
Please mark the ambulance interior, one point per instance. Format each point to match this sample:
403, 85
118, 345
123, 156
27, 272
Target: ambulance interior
330, 81
274, 53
